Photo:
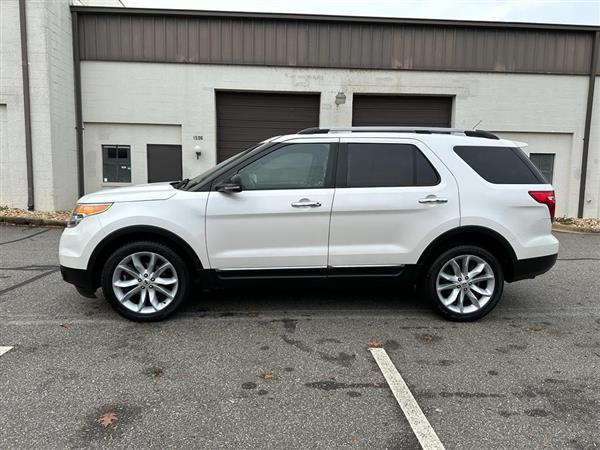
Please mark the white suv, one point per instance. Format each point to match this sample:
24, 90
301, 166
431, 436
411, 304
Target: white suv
454, 212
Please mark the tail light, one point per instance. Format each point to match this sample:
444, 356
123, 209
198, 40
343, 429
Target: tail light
547, 198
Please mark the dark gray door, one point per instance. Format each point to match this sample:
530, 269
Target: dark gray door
164, 162
401, 110
245, 118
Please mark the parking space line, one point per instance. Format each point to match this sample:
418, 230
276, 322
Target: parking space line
3, 350
420, 425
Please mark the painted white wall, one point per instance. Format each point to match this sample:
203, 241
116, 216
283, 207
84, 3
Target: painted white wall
135, 135
52, 105
13, 175
184, 94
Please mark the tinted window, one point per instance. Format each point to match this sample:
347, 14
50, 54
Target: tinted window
544, 163
294, 166
116, 164
500, 165
385, 165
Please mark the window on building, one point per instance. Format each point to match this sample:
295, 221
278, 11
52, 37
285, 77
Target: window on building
500, 165
295, 166
116, 164
386, 165
544, 163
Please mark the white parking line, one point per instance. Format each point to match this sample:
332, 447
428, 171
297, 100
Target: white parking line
421, 427
3, 350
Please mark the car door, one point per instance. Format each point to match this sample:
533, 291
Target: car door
280, 219
393, 197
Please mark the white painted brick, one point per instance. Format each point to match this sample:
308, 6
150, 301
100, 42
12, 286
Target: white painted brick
183, 95
138, 93
52, 105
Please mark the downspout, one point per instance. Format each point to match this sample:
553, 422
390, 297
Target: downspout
26, 104
78, 113
588, 124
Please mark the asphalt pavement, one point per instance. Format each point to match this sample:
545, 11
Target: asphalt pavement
290, 367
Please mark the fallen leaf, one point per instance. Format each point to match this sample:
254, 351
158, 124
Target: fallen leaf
107, 419
158, 371
68, 326
374, 343
267, 376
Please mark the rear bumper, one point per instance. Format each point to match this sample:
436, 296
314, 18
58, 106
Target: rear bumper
531, 267
82, 280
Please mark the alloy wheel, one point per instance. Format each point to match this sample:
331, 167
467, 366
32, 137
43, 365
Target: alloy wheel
465, 284
145, 282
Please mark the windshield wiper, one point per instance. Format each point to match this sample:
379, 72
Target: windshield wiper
181, 184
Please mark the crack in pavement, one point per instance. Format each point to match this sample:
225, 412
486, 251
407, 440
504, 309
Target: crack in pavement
26, 237
32, 268
26, 282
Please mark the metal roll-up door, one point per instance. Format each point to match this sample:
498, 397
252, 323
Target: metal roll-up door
245, 118
401, 110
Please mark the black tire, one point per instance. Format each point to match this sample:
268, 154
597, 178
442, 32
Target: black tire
430, 279
145, 246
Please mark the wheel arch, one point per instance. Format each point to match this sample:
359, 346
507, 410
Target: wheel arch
138, 233
482, 237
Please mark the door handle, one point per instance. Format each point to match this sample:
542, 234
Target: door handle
305, 202
430, 200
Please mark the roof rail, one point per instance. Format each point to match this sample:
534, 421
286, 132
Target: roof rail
418, 130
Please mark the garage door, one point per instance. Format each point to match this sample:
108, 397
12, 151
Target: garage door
245, 118
405, 110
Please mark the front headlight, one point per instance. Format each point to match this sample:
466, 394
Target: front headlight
82, 210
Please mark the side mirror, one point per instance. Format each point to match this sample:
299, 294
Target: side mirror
233, 184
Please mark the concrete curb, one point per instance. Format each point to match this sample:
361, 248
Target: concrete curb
30, 221
571, 229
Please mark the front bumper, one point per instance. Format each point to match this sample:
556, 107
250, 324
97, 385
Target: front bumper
82, 279
531, 267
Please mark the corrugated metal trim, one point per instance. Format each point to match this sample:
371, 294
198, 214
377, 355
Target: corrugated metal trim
127, 35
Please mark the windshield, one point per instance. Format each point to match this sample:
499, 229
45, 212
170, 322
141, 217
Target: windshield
218, 168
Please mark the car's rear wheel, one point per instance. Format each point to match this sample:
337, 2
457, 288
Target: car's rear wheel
145, 281
465, 283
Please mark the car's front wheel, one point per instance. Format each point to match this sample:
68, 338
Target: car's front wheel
465, 283
145, 281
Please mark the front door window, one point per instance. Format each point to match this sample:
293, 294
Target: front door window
295, 166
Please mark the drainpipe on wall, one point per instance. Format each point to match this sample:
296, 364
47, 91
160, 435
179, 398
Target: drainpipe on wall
78, 113
26, 104
588, 124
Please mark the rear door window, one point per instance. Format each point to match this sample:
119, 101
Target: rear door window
387, 165
500, 165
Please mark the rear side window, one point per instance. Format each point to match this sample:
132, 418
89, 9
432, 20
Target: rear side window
386, 165
500, 165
